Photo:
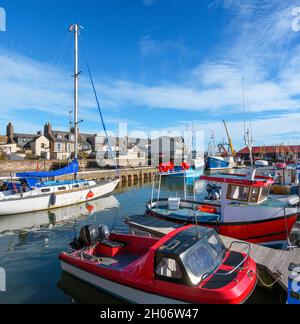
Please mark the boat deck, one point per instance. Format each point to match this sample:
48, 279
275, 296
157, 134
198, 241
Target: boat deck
272, 263
185, 214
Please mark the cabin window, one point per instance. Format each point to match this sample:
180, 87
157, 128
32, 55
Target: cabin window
254, 195
265, 193
45, 190
240, 193
200, 261
169, 268
217, 246
62, 188
76, 186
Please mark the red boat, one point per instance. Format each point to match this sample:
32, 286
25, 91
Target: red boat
237, 206
189, 265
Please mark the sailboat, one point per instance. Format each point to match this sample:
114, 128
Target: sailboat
36, 191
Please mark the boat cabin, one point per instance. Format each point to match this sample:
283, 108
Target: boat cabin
242, 188
189, 257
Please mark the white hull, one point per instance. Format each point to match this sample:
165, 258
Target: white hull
122, 292
29, 204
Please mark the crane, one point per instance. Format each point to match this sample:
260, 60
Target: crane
229, 140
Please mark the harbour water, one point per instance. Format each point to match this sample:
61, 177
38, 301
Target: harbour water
30, 244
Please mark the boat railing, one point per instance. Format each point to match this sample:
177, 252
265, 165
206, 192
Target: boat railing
237, 268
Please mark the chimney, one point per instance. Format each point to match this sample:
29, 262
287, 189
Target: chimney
10, 130
48, 129
10, 133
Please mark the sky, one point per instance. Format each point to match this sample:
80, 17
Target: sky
158, 65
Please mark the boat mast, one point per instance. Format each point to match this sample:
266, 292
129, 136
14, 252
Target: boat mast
75, 28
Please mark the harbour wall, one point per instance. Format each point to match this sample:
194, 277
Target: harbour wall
88, 170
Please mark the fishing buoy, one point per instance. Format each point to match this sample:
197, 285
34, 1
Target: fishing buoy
90, 195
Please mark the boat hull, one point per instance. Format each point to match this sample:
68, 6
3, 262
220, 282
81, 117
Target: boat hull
285, 190
191, 174
267, 231
45, 202
262, 231
122, 292
218, 163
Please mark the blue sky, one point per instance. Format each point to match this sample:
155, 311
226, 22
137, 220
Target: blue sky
158, 65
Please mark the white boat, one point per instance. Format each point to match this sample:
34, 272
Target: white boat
261, 163
32, 191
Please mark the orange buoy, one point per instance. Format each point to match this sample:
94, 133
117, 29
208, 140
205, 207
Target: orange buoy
90, 195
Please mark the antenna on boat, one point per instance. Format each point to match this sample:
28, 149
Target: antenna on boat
75, 28
247, 132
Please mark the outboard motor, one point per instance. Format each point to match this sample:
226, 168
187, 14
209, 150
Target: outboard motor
104, 233
89, 236
213, 192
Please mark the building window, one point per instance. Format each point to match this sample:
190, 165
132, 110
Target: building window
43, 145
58, 147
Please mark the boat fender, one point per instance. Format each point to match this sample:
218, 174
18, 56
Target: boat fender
185, 166
52, 200
90, 195
207, 209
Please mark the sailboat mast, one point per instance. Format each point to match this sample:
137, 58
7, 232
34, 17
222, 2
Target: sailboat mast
75, 28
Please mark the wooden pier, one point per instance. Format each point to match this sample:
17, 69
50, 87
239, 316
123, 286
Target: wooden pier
273, 264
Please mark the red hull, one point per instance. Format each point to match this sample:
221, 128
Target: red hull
257, 232
263, 232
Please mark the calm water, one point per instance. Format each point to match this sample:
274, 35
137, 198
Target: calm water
30, 244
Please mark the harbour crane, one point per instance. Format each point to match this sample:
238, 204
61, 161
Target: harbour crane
233, 152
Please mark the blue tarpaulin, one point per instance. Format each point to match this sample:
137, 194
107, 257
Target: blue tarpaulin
71, 168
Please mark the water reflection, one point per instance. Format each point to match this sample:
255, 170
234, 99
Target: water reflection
79, 292
49, 219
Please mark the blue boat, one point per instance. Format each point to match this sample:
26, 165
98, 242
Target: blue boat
220, 163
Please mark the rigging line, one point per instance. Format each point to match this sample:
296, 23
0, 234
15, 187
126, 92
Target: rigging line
59, 55
98, 104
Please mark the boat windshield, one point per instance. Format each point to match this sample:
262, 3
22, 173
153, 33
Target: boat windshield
204, 257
